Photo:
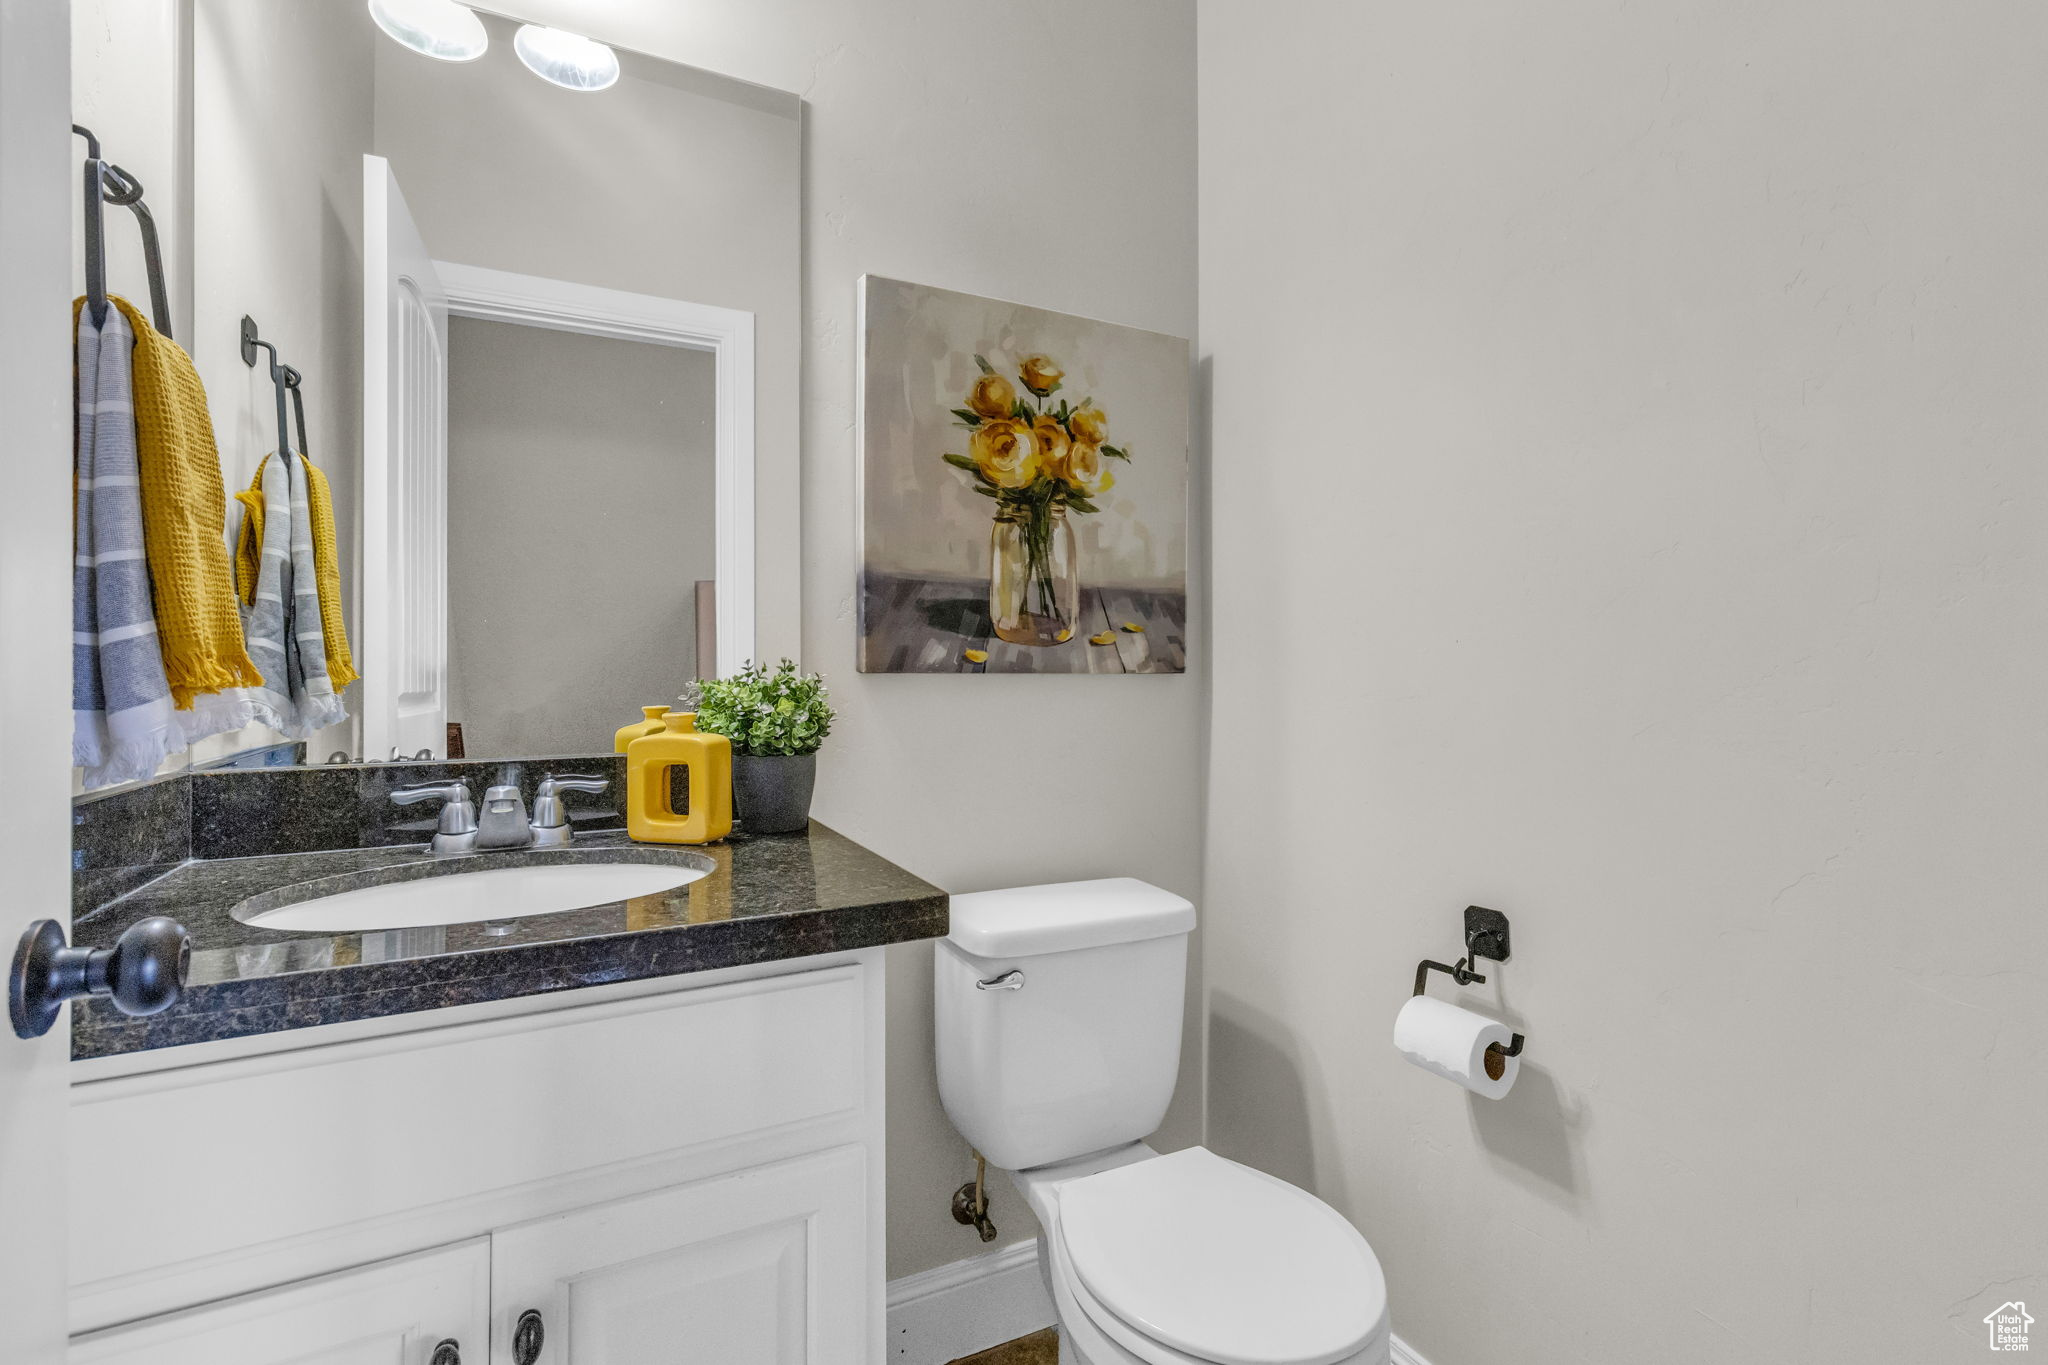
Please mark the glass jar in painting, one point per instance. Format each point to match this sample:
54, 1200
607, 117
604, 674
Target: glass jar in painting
1034, 581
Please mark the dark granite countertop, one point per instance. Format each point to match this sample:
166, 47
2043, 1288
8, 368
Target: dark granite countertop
764, 899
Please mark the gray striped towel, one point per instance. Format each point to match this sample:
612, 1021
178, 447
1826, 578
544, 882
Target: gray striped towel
282, 624
123, 724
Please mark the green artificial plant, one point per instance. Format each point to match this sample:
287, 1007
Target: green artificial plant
784, 712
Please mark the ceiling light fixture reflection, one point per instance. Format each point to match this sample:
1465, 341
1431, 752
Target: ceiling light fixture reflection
438, 28
569, 60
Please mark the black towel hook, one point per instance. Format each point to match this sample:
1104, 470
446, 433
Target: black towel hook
95, 227
122, 188
292, 379
250, 341
106, 183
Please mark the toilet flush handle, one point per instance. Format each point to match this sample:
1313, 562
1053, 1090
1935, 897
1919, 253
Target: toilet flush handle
1012, 980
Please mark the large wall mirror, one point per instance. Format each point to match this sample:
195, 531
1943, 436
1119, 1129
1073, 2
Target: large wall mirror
543, 340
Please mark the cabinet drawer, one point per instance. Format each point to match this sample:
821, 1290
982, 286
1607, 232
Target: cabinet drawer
391, 1313
212, 1160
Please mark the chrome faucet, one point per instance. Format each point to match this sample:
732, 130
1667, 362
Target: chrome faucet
456, 832
503, 822
550, 821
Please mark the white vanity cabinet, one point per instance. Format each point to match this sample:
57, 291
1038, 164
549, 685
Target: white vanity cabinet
687, 1168
751, 1269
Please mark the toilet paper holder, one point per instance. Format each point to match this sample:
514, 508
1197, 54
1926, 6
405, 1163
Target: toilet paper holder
1486, 935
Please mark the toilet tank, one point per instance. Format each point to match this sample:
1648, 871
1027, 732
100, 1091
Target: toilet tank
1081, 1051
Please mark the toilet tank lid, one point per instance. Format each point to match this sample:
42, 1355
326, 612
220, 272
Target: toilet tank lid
1021, 921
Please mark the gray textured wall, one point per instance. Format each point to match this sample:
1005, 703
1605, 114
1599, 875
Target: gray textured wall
1627, 451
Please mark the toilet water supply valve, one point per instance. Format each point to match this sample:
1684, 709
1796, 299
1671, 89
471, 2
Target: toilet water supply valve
970, 1201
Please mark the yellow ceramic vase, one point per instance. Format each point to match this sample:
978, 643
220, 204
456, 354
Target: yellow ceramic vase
651, 816
651, 726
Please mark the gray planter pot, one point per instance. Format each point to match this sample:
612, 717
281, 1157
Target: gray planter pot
771, 793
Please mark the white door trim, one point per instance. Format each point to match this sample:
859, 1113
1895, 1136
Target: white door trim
1401, 1353
40, 168
727, 333
403, 570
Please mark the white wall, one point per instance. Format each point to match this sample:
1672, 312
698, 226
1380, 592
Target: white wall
1628, 429
128, 85
1042, 152
580, 518
281, 113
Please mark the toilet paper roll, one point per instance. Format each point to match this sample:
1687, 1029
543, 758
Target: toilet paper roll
1452, 1043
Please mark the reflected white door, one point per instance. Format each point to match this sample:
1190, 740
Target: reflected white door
762, 1267
395, 1312
405, 480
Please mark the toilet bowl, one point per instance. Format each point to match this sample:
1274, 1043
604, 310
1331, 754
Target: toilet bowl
1192, 1259
1058, 1013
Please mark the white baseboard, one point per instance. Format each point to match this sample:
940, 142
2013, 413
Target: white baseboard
967, 1306
1402, 1353
983, 1301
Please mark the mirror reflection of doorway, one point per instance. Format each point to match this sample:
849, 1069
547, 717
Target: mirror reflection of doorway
564, 528
581, 518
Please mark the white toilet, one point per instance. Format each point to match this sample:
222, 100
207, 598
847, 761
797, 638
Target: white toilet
1059, 1021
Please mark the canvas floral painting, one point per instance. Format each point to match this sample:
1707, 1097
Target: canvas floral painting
1023, 488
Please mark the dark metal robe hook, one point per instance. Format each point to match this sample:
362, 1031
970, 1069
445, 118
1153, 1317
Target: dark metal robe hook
278, 370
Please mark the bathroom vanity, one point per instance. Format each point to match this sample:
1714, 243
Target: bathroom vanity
644, 1130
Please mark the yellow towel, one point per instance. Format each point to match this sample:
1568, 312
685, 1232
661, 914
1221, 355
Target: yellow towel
341, 670
341, 664
249, 539
183, 506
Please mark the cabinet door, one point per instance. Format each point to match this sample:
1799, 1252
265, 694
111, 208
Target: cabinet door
392, 1313
762, 1267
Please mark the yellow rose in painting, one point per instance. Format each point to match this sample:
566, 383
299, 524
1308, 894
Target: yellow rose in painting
1085, 469
1005, 452
1052, 446
1039, 373
1089, 424
991, 397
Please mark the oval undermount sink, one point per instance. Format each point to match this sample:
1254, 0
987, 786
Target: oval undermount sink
464, 896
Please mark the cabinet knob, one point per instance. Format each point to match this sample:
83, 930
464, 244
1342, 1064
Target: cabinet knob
528, 1337
142, 973
449, 1352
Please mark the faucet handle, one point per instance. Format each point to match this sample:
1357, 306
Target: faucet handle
571, 782
427, 791
550, 820
456, 832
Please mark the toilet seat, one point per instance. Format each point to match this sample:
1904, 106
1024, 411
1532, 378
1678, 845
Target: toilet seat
1191, 1259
